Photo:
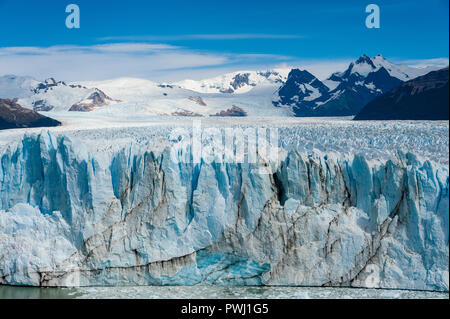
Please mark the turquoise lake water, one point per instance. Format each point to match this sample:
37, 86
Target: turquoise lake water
214, 292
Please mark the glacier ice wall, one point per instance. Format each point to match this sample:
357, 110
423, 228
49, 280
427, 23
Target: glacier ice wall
69, 217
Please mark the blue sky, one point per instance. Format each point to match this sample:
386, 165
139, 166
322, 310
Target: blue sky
176, 39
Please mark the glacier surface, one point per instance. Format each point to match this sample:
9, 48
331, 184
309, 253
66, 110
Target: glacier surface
71, 215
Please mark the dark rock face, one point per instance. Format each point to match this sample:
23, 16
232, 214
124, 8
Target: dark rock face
51, 83
365, 59
165, 86
241, 80
308, 96
423, 98
198, 100
355, 91
96, 99
47, 84
235, 111
73, 86
12, 115
299, 86
186, 113
41, 106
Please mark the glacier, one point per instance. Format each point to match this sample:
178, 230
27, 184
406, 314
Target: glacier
71, 216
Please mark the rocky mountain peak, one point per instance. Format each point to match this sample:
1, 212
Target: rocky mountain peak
300, 76
365, 59
96, 99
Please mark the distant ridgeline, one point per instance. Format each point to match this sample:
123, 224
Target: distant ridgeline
423, 98
383, 89
12, 115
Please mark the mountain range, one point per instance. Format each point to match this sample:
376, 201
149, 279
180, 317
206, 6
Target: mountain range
52, 95
343, 93
236, 82
278, 92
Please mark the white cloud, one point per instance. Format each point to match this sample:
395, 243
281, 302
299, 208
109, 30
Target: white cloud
157, 62
100, 48
104, 61
98, 62
184, 37
422, 63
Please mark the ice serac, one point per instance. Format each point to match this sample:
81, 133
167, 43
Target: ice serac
137, 217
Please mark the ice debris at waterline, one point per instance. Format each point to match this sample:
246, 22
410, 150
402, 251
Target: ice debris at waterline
135, 217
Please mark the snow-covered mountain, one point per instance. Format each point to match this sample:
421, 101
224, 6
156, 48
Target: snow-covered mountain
142, 97
343, 93
136, 89
301, 87
236, 82
16, 87
52, 95
294, 92
401, 71
93, 101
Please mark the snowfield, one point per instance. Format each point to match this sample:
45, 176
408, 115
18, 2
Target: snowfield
236, 82
101, 201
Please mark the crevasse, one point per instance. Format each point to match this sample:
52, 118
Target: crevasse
69, 217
